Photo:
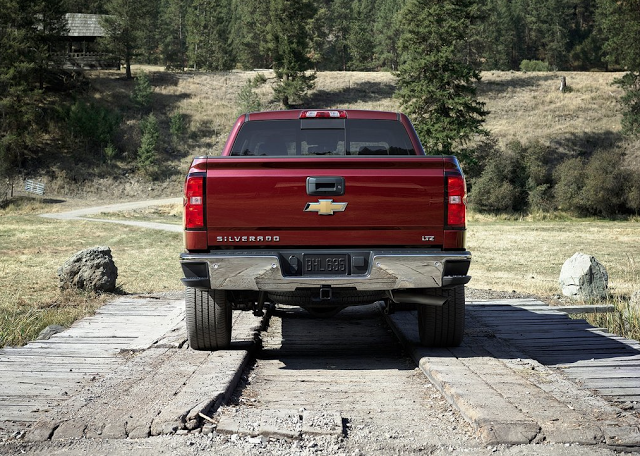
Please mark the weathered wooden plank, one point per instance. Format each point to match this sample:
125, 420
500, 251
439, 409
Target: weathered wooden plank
600, 372
629, 398
507, 302
615, 382
37, 359
619, 391
28, 376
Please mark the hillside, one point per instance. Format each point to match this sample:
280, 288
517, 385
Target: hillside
526, 107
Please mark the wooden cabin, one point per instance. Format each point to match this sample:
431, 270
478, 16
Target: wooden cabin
82, 52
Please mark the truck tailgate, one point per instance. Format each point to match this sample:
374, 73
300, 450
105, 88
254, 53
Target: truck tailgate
386, 201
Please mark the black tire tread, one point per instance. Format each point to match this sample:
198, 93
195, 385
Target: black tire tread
208, 318
443, 326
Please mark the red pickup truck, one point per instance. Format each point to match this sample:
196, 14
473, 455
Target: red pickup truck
324, 209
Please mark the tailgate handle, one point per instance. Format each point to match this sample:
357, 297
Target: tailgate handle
325, 186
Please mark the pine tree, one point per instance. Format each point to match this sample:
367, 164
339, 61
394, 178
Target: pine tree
29, 33
436, 83
288, 44
85, 6
340, 19
124, 28
620, 22
208, 38
174, 29
361, 41
319, 36
249, 35
549, 21
387, 33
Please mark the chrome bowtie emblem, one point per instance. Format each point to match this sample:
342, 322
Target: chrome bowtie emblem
325, 207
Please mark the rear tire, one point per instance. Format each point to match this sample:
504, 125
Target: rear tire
208, 316
443, 326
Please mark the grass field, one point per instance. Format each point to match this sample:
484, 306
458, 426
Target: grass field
33, 248
522, 255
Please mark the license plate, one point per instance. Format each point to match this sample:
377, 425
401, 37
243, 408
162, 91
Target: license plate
325, 264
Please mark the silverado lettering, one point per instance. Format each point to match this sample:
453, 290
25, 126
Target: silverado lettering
354, 192
248, 238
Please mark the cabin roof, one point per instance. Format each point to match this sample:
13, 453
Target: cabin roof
80, 24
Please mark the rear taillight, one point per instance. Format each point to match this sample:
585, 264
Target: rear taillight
456, 201
194, 202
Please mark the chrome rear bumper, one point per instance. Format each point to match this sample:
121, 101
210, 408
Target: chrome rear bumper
262, 271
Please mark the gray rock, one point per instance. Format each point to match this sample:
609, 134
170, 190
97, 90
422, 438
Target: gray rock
583, 277
49, 331
90, 269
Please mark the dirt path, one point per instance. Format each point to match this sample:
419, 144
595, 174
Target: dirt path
81, 214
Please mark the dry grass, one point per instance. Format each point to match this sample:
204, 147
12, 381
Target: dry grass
523, 106
527, 255
33, 248
530, 107
523, 255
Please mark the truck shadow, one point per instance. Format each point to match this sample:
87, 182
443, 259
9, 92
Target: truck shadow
356, 339
551, 338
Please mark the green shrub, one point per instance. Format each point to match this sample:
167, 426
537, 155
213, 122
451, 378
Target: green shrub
142, 91
110, 153
569, 179
604, 187
258, 80
533, 65
633, 191
599, 186
94, 124
538, 174
515, 180
147, 152
499, 188
176, 125
248, 100
630, 101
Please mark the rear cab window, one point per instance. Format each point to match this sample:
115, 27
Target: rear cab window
322, 137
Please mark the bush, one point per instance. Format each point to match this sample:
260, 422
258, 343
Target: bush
604, 186
569, 179
142, 91
94, 124
537, 165
147, 152
515, 180
533, 65
176, 126
248, 100
633, 192
630, 83
499, 188
110, 153
599, 186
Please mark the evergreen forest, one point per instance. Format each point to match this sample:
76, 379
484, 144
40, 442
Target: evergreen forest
438, 49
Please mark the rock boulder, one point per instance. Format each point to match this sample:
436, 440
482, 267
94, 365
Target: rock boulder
583, 277
91, 269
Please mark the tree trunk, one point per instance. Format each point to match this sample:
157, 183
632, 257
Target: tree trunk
563, 84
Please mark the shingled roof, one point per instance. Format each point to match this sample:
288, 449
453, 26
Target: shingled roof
80, 24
